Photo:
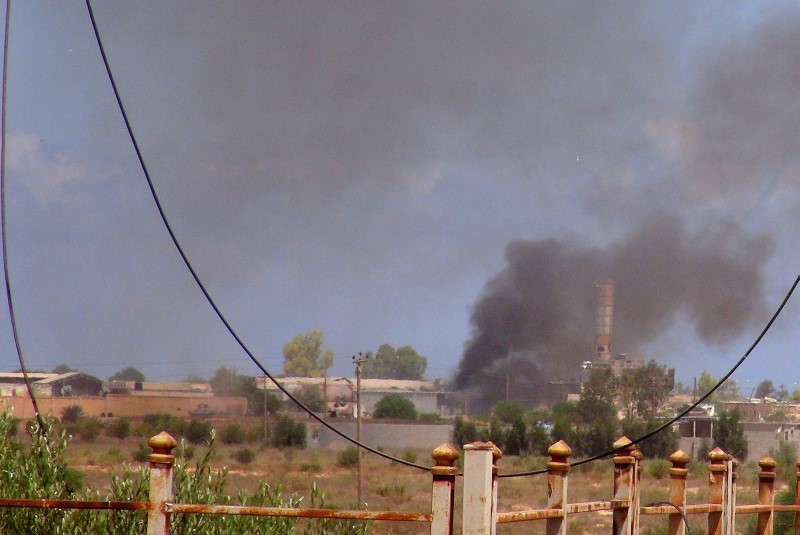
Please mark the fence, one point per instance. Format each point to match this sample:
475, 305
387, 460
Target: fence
479, 515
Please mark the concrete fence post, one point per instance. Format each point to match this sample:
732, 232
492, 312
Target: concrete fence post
557, 479
717, 473
766, 493
443, 493
677, 491
624, 468
161, 462
497, 454
477, 508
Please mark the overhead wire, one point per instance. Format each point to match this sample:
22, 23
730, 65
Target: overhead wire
3, 231
196, 277
288, 394
691, 407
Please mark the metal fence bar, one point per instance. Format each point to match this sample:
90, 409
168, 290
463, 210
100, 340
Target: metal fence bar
677, 491
161, 462
292, 512
443, 491
557, 485
624, 469
46, 503
766, 494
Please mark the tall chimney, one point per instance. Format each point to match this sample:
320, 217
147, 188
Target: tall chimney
604, 321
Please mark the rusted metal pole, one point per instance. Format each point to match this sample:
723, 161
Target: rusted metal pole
677, 491
636, 489
766, 494
797, 498
161, 462
497, 454
443, 493
624, 466
730, 513
717, 469
557, 478
477, 507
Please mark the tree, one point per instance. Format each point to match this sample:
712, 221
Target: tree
704, 384
729, 434
304, 356
128, 374
63, 368
311, 397
765, 389
645, 390
597, 397
395, 406
403, 363
508, 412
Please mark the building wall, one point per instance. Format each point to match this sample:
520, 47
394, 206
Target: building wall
383, 435
130, 406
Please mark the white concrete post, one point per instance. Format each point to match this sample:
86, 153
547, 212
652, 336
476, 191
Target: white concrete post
161, 461
478, 506
557, 485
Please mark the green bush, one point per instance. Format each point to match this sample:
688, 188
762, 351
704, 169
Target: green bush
232, 433
89, 428
141, 453
154, 423
347, 457
244, 456
395, 406
657, 468
71, 413
119, 428
285, 432
198, 432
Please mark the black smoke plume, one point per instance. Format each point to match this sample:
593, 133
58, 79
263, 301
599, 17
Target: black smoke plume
533, 325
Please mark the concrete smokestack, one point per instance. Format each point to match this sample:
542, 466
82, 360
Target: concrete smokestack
604, 321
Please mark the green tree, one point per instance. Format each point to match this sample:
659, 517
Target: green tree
508, 411
464, 431
765, 389
391, 363
395, 406
597, 397
516, 439
128, 374
705, 384
644, 390
63, 368
304, 356
729, 434
659, 446
311, 397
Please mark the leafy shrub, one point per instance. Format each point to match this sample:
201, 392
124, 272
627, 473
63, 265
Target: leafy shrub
285, 432
312, 466
395, 406
141, 453
232, 433
311, 397
154, 423
89, 428
347, 457
244, 456
71, 413
119, 428
198, 432
410, 456
658, 468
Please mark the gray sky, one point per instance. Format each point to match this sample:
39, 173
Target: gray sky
362, 167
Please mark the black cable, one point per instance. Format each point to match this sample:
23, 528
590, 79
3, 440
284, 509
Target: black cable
9, 300
681, 511
196, 278
691, 407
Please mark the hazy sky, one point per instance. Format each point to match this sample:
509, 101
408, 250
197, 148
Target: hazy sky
362, 167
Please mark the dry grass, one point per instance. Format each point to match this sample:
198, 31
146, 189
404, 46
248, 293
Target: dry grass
392, 487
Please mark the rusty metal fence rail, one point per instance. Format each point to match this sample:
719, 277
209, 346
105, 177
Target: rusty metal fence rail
479, 514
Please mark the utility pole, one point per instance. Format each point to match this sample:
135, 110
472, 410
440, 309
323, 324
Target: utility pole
359, 361
265, 407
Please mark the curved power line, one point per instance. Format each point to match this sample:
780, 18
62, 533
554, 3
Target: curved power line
692, 406
9, 300
195, 276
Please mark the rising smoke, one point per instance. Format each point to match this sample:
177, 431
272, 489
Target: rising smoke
534, 321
